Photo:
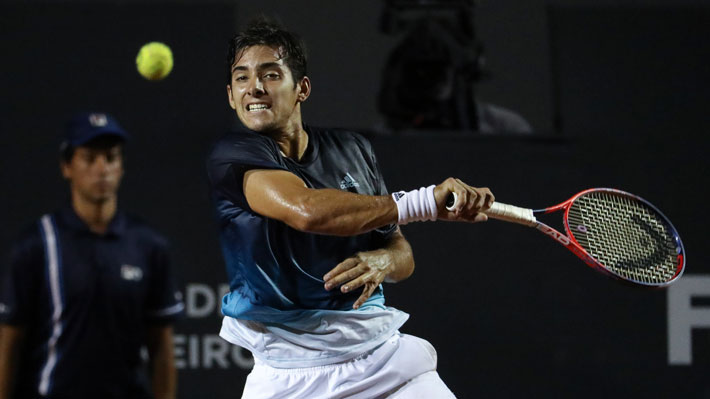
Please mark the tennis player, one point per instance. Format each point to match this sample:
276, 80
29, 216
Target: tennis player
309, 234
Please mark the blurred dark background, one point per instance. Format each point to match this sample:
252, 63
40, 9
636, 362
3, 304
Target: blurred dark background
615, 95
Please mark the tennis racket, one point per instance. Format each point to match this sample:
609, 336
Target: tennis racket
616, 233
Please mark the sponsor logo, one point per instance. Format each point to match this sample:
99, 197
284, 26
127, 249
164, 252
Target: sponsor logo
398, 195
559, 237
348, 182
98, 120
131, 273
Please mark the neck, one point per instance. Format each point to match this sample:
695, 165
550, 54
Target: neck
293, 141
96, 214
294, 146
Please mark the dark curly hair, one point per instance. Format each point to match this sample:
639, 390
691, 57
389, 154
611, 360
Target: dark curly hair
266, 32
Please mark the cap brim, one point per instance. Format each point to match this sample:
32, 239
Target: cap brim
96, 133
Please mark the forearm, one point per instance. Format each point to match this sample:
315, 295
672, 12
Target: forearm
336, 212
283, 196
341, 213
10, 343
164, 375
402, 258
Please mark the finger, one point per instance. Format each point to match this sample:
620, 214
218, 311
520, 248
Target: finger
339, 274
480, 217
461, 208
475, 201
470, 210
356, 283
490, 198
345, 277
471, 206
347, 264
463, 198
366, 293
479, 200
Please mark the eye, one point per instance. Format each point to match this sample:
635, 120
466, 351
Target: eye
240, 78
113, 155
271, 75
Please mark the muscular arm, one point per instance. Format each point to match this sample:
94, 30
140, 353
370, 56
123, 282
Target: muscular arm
162, 362
10, 343
284, 196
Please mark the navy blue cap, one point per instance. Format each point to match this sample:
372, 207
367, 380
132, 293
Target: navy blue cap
86, 126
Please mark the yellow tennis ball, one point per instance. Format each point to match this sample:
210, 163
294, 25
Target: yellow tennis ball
154, 61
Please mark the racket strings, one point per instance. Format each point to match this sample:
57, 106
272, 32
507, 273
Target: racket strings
627, 237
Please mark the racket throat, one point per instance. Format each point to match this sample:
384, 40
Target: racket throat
554, 234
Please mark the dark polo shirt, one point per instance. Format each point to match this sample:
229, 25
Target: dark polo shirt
85, 301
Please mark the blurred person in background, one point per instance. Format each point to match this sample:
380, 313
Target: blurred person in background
430, 77
88, 287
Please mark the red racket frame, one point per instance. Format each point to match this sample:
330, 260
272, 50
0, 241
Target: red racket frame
569, 241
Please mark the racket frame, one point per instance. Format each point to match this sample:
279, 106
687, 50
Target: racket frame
570, 242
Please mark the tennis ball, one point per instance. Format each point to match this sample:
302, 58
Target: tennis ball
154, 61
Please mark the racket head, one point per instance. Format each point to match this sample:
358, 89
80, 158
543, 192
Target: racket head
626, 236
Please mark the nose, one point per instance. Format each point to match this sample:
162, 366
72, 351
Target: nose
256, 87
101, 163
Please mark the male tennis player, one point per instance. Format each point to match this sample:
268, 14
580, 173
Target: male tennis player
88, 286
309, 233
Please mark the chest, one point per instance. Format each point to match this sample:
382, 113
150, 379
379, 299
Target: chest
95, 268
340, 168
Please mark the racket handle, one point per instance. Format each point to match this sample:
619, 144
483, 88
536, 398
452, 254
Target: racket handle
501, 211
512, 214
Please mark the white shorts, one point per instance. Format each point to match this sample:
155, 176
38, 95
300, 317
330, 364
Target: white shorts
404, 367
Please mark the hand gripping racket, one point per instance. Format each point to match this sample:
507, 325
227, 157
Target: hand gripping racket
616, 233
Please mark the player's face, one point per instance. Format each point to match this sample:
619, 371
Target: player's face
95, 172
263, 93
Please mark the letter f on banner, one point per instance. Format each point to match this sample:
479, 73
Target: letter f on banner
683, 317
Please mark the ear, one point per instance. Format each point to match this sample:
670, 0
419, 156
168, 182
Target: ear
122, 160
123, 170
66, 170
304, 89
230, 97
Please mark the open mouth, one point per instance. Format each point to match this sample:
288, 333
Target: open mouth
257, 107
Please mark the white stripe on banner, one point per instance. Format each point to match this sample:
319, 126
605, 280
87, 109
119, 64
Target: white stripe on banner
51, 250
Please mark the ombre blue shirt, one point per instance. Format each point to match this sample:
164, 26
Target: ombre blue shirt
275, 272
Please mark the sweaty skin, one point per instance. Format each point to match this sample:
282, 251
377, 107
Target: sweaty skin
267, 100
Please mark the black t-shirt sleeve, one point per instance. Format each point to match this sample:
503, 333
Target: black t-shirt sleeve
164, 301
20, 279
233, 156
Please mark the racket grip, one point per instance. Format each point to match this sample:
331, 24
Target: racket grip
501, 211
512, 214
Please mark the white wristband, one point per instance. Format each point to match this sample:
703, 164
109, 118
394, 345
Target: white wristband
416, 205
